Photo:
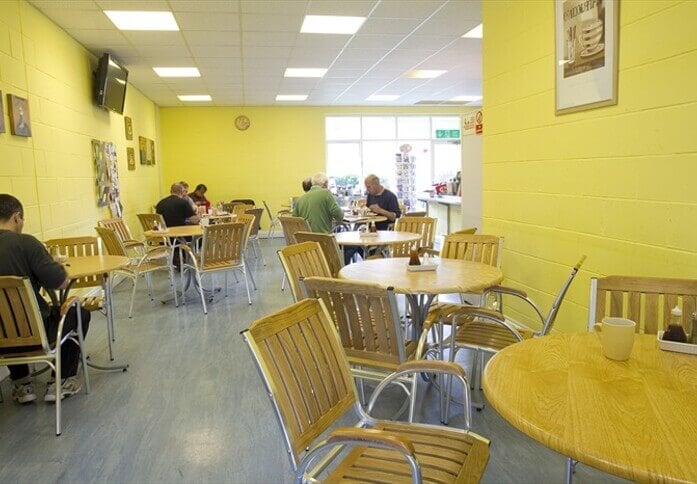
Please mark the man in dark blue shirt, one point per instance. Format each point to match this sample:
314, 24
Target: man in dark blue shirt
381, 201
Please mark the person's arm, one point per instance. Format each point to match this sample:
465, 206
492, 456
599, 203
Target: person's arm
192, 217
391, 216
49, 273
334, 209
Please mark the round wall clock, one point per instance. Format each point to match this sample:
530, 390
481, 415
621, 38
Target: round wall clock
242, 122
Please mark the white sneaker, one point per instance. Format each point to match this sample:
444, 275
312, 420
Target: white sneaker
23, 392
70, 386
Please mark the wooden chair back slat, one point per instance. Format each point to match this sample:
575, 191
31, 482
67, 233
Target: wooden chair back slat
329, 247
223, 243
248, 220
148, 221
485, 249
304, 369
240, 208
20, 321
119, 226
365, 316
256, 225
645, 300
424, 226
111, 241
77, 247
291, 225
305, 259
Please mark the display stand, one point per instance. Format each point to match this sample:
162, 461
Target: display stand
406, 177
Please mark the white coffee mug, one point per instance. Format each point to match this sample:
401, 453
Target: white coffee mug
616, 337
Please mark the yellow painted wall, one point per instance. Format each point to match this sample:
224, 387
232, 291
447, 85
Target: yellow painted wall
615, 183
52, 172
266, 162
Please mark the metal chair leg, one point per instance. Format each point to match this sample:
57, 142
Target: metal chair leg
569, 470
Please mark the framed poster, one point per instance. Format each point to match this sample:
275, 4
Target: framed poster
586, 37
131, 156
2, 115
20, 124
143, 150
128, 125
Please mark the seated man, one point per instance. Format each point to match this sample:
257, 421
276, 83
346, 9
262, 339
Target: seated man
381, 201
24, 256
176, 209
318, 206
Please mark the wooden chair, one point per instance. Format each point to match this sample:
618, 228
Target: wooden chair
645, 300
124, 233
23, 339
489, 331
425, 226
150, 221
241, 208
415, 214
467, 231
273, 219
305, 259
246, 201
222, 250
307, 377
75, 247
290, 225
155, 259
330, 248
367, 320
228, 207
254, 232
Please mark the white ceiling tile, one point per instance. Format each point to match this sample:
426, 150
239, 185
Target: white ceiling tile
65, 4
258, 52
295, 85
374, 41
211, 37
205, 6
340, 73
371, 55
353, 8
98, 38
417, 9
204, 63
388, 26
431, 42
292, 7
269, 39
163, 51
207, 21
215, 51
138, 38
152, 5
312, 57
321, 40
79, 19
271, 23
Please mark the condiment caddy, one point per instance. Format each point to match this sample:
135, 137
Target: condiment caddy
674, 337
418, 265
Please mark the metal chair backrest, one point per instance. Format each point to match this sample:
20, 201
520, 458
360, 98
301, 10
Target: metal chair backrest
554, 310
330, 248
268, 210
256, 225
111, 241
305, 259
366, 318
119, 226
290, 225
148, 221
645, 300
223, 244
477, 248
305, 371
20, 319
425, 226
75, 247
241, 208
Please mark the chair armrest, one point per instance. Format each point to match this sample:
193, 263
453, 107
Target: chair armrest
360, 436
432, 366
65, 307
132, 243
477, 312
507, 290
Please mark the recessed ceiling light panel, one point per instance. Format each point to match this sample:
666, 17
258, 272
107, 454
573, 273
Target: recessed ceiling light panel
177, 71
304, 72
382, 97
195, 97
291, 97
475, 33
425, 73
331, 24
142, 20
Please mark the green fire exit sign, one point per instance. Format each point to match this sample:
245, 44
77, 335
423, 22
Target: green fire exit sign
447, 133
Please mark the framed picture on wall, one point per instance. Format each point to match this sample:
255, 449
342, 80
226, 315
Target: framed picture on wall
2, 115
128, 126
131, 157
586, 36
143, 150
20, 124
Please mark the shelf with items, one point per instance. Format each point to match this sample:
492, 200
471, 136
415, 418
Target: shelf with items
405, 187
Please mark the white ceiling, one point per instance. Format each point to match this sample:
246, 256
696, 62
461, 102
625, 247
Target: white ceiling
242, 48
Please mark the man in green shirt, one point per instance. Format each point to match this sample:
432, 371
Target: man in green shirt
318, 206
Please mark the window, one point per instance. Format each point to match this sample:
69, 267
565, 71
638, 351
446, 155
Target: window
360, 145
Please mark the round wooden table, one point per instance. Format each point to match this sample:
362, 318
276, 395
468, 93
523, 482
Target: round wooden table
195, 230
419, 288
635, 419
384, 237
95, 265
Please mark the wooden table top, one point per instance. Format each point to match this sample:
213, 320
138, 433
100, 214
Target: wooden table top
89, 265
359, 219
180, 231
384, 237
452, 275
635, 419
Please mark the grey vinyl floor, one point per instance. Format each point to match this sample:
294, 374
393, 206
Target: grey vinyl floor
191, 407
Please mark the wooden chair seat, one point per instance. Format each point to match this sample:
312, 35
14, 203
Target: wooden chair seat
92, 303
219, 265
445, 456
486, 336
387, 362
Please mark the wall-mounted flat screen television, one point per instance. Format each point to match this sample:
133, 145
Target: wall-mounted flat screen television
111, 79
